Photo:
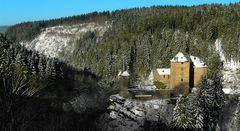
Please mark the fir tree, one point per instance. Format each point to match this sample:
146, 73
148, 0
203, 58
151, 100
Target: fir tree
211, 100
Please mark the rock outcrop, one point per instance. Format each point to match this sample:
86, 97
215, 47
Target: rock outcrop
131, 114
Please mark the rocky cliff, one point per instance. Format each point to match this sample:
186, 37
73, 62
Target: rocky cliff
131, 114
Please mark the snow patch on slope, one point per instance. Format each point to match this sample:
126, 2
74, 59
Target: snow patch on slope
227, 64
54, 40
231, 76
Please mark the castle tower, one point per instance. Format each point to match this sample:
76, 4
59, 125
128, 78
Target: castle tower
180, 74
123, 83
200, 70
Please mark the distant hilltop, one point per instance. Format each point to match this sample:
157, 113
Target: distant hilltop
3, 29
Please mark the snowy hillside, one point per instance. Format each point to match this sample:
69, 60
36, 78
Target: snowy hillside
231, 76
53, 40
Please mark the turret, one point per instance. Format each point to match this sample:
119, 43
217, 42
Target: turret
123, 83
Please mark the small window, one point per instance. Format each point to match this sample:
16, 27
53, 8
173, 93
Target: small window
168, 77
194, 58
182, 79
163, 76
181, 62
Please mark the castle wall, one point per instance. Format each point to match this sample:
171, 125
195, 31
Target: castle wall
180, 76
162, 78
198, 73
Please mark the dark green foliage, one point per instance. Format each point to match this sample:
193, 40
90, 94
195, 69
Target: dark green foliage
211, 99
188, 114
200, 109
28, 30
159, 85
25, 72
215, 65
235, 121
36, 92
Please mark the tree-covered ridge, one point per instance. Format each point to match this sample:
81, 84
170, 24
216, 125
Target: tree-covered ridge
26, 69
40, 93
146, 38
28, 30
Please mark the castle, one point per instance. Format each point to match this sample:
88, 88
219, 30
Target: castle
184, 73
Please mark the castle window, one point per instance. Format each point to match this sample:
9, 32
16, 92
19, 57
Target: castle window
182, 79
181, 62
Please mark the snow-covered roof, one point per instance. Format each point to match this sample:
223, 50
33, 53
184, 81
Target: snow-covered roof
123, 73
163, 71
180, 57
197, 62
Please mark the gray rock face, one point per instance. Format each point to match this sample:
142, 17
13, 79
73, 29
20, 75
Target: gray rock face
87, 103
131, 114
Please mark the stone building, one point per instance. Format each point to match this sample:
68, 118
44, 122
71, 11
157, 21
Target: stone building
123, 83
185, 72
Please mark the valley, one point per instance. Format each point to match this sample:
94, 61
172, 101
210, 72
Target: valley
65, 72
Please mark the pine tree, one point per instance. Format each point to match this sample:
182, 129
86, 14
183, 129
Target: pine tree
53, 70
188, 113
200, 110
42, 67
235, 121
196, 112
211, 100
181, 114
19, 77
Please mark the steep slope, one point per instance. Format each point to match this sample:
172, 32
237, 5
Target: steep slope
53, 41
231, 75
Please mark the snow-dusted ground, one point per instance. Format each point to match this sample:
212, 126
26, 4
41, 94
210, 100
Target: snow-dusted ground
53, 40
231, 75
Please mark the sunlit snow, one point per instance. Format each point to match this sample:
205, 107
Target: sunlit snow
54, 40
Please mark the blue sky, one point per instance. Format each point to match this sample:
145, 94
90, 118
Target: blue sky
16, 11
